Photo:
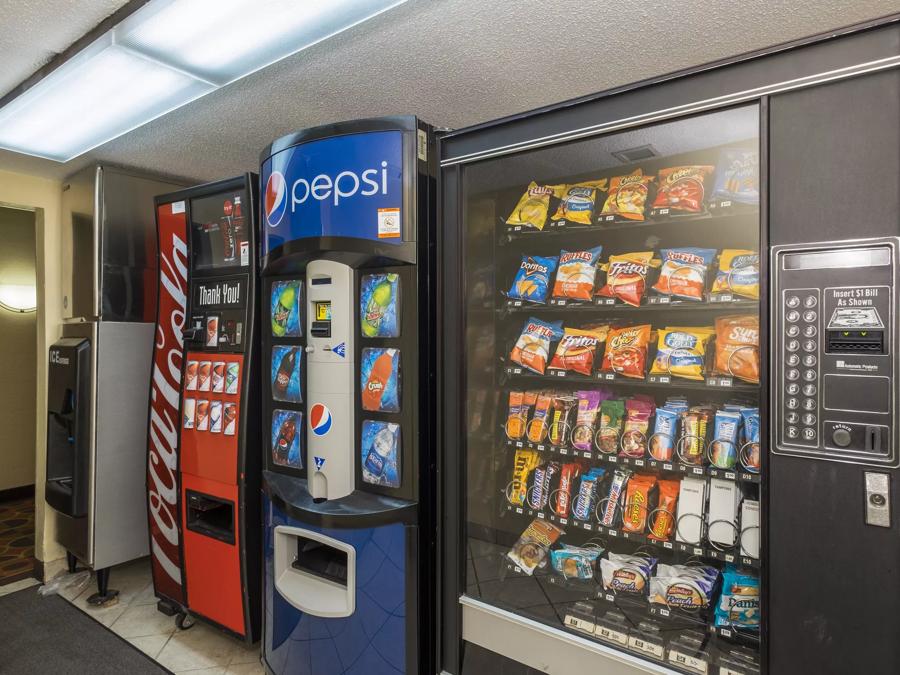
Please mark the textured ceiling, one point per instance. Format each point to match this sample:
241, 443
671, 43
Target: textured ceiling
452, 62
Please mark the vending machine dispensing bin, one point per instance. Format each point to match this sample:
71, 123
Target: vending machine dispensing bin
669, 373
203, 479
348, 254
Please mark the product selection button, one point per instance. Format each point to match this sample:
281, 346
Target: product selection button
810, 301
792, 432
809, 360
793, 389
810, 375
809, 434
792, 403
809, 346
792, 374
809, 390
809, 404
810, 331
793, 359
809, 316
792, 301
793, 330
809, 419
792, 418
793, 315
793, 345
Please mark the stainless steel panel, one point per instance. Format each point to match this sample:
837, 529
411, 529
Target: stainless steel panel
124, 354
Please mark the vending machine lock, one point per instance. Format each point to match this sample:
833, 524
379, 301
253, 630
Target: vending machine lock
878, 499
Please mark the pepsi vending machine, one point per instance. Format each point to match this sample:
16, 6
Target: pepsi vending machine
204, 472
348, 412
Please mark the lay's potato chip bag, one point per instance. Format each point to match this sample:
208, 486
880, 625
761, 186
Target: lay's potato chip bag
533, 279
533, 206
738, 273
577, 202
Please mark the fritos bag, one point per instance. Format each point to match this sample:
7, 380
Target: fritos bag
576, 350
533, 206
626, 351
626, 277
683, 189
627, 196
737, 347
577, 201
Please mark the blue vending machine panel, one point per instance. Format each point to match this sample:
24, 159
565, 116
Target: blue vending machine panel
372, 640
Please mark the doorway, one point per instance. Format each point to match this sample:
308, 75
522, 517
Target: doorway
18, 363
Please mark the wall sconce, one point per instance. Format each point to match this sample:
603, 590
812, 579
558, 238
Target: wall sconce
18, 298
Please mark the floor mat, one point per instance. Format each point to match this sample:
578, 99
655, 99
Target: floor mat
16, 539
49, 635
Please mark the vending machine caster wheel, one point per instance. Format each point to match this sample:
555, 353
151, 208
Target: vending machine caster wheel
183, 621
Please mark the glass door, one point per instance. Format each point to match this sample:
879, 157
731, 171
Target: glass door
612, 348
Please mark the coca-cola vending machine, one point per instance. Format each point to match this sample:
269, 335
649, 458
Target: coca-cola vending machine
203, 454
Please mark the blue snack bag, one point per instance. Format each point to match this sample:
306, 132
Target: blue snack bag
738, 177
532, 281
738, 604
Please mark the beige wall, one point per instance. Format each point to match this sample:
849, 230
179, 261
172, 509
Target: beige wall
18, 357
45, 197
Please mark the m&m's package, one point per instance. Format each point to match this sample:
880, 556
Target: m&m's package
576, 203
683, 189
626, 277
683, 272
577, 274
627, 197
626, 351
532, 349
533, 206
532, 281
738, 273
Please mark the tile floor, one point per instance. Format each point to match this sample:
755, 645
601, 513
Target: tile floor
201, 650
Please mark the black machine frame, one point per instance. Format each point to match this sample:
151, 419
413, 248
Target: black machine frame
763, 77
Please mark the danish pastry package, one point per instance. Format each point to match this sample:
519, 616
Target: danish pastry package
532, 349
533, 278
532, 548
577, 202
627, 197
533, 207
577, 274
683, 189
737, 347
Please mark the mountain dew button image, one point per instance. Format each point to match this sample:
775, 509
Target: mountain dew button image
285, 309
379, 305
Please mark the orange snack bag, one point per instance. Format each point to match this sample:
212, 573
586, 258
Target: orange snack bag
737, 347
626, 351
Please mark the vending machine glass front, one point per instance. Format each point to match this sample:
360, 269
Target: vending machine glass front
612, 380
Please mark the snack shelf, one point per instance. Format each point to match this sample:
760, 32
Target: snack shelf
639, 463
649, 381
601, 224
618, 534
717, 301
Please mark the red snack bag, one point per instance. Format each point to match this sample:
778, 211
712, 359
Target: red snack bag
576, 350
682, 189
637, 503
662, 524
626, 277
626, 351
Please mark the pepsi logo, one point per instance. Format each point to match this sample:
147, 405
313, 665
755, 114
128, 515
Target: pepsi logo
275, 199
320, 419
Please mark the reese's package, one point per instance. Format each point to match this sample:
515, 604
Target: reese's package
531, 550
577, 202
533, 206
576, 274
532, 349
737, 347
576, 350
683, 272
626, 277
637, 503
683, 189
738, 273
662, 521
737, 179
681, 352
532, 281
627, 196
626, 351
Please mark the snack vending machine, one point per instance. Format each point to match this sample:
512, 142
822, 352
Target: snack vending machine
203, 466
348, 410
669, 373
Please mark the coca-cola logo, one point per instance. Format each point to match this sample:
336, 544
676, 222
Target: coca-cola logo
162, 454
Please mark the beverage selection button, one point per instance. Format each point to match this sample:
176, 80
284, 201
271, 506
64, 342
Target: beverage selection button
810, 301
810, 360
810, 331
809, 404
809, 316
793, 345
792, 432
792, 374
793, 315
793, 389
809, 390
793, 359
792, 301
792, 418
792, 403
809, 346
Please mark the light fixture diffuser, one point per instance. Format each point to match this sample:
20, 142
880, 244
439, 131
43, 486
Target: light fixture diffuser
163, 56
18, 297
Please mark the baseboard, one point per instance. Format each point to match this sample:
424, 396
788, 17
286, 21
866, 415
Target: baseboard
12, 494
39, 570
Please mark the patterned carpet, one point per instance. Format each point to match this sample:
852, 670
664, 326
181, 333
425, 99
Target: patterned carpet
16, 540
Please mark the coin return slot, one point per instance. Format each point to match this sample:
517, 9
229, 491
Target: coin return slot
855, 342
873, 439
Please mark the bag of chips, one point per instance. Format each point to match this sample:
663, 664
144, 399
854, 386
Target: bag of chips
576, 351
683, 272
533, 206
627, 196
637, 503
738, 273
612, 414
531, 550
537, 427
577, 274
738, 176
637, 425
562, 412
626, 277
683, 189
681, 352
533, 279
662, 521
532, 349
737, 347
577, 201
626, 351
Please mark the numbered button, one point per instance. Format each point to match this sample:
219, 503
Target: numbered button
809, 316
792, 301
809, 419
792, 403
810, 301
809, 404
793, 389
792, 374
810, 375
793, 345
810, 331
809, 346
792, 418
792, 432
793, 359
793, 331
809, 434
809, 390
810, 360
793, 316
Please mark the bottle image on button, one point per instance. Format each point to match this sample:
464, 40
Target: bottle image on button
793, 315
792, 301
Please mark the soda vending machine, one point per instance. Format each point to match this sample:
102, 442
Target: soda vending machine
203, 467
669, 373
348, 418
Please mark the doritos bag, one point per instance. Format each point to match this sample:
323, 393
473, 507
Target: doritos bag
533, 278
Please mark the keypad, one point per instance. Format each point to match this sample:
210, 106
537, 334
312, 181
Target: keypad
801, 346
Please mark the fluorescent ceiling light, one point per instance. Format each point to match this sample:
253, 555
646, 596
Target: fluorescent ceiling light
168, 53
18, 298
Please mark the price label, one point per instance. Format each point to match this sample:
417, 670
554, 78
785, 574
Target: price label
560, 373
517, 371
667, 467
517, 303
639, 462
613, 533
609, 376
563, 521
641, 645
611, 635
518, 444
518, 509
578, 623
689, 662
726, 632
697, 470
667, 544
564, 451
541, 514
613, 458
663, 611
586, 526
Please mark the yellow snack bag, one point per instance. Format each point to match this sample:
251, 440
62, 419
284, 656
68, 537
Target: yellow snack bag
577, 202
681, 352
627, 196
533, 206
738, 273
